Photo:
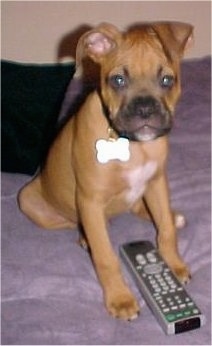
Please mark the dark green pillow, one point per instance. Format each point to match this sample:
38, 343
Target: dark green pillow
31, 99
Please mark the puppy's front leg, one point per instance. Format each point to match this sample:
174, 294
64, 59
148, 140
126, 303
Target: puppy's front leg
118, 299
157, 199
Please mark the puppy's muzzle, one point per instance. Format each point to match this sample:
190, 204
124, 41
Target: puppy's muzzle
143, 118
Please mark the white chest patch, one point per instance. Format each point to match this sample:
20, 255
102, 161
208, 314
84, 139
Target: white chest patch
137, 180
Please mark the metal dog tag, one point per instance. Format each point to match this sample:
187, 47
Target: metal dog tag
108, 150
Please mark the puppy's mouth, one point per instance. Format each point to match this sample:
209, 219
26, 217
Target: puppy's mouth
145, 133
144, 119
143, 129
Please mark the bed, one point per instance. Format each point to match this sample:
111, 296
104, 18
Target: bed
50, 292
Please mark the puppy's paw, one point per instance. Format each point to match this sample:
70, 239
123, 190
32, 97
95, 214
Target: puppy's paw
122, 305
177, 265
183, 274
179, 220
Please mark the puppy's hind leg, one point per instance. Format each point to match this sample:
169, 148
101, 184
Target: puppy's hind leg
36, 208
140, 209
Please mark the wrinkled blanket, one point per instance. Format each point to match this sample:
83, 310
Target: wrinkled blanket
50, 292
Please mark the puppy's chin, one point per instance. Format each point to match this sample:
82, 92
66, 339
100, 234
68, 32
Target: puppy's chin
145, 133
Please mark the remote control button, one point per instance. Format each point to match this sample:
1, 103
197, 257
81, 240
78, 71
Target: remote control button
187, 313
169, 280
153, 269
170, 317
179, 289
151, 257
152, 281
166, 310
182, 306
155, 286
140, 259
158, 276
167, 270
179, 315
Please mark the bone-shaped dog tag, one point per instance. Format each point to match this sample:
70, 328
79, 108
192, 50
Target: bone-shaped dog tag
112, 150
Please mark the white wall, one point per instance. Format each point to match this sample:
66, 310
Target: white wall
33, 30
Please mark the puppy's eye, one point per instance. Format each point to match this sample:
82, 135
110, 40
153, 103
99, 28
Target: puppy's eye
118, 81
167, 81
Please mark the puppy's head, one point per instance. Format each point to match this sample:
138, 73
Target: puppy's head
139, 74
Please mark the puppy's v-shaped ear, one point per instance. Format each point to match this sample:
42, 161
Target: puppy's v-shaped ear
97, 43
175, 37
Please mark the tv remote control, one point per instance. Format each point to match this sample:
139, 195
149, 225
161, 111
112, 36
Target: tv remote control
175, 310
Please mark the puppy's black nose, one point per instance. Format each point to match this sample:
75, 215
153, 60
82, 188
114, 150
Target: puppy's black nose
143, 106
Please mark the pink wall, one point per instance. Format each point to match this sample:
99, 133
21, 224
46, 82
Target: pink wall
33, 30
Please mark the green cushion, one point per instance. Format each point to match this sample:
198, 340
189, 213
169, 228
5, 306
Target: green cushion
31, 100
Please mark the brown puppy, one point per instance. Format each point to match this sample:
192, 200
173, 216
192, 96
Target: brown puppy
111, 156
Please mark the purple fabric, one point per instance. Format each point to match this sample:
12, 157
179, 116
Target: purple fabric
50, 292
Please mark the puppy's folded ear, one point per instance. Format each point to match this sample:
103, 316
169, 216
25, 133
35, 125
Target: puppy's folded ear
96, 44
175, 37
